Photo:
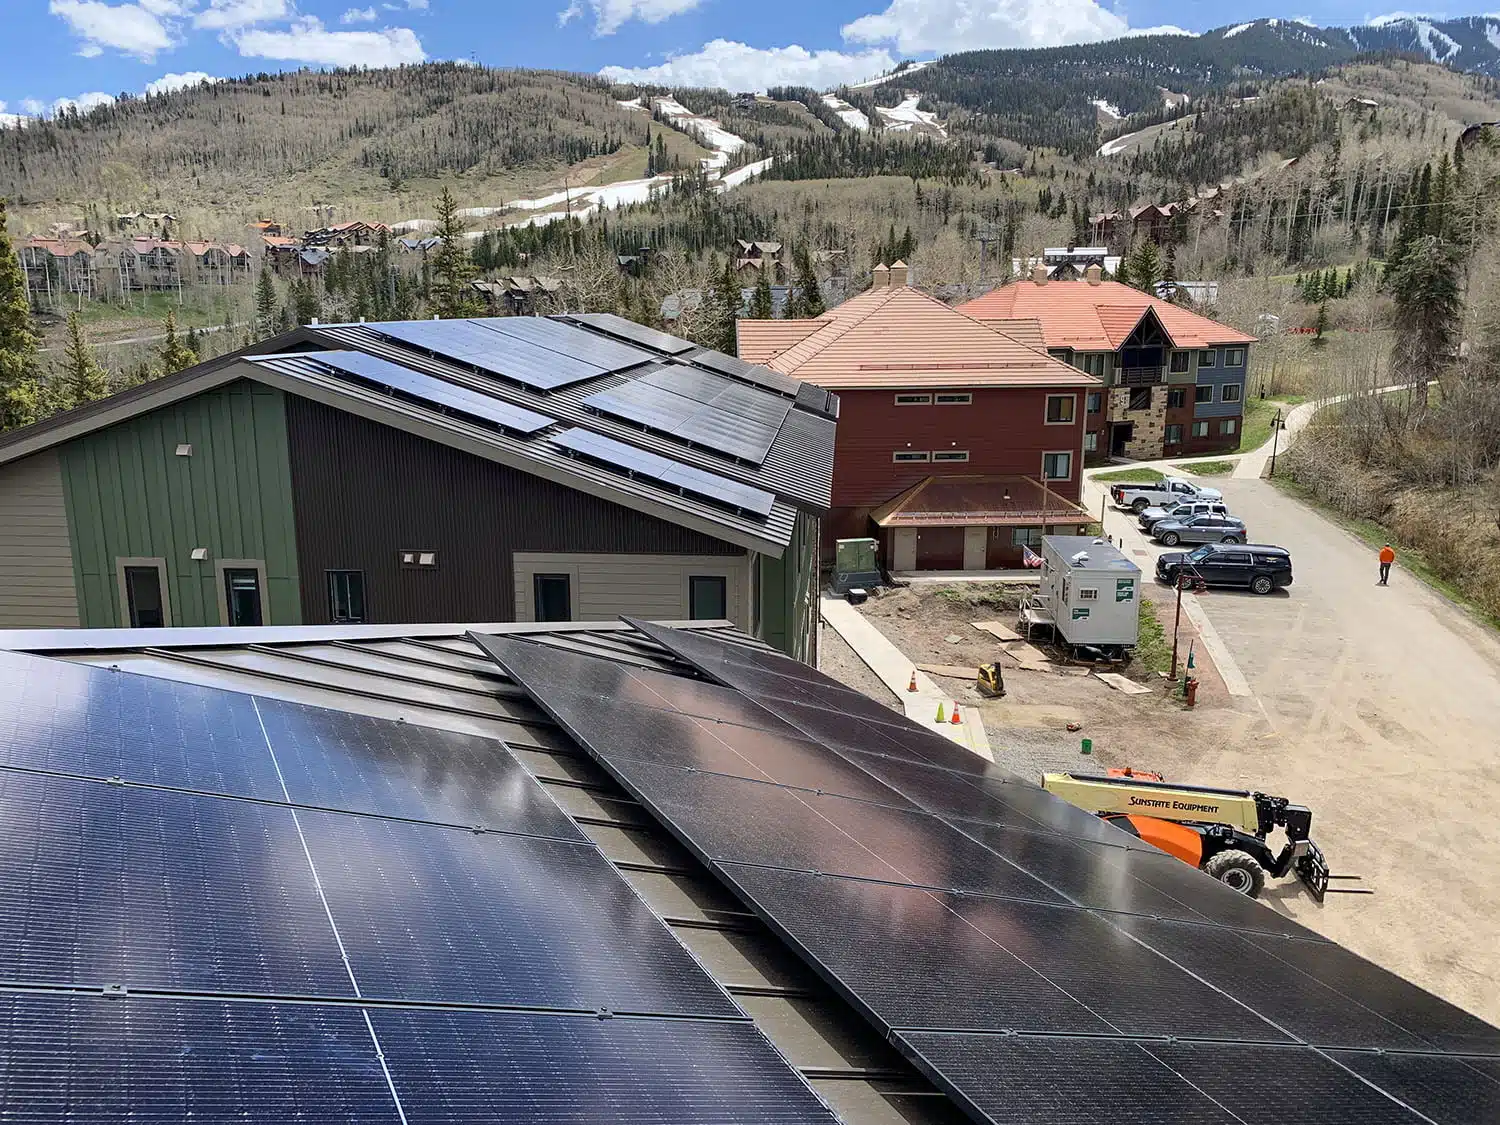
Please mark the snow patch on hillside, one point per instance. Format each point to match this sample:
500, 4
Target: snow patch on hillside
906, 117
744, 172
912, 69
1233, 31
1116, 146
1492, 33
854, 118
705, 129
1108, 108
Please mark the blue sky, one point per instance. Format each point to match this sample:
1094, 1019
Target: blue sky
82, 51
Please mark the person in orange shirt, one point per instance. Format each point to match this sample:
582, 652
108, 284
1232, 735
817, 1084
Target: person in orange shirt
1387, 556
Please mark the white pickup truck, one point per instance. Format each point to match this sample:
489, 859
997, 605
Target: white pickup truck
1165, 493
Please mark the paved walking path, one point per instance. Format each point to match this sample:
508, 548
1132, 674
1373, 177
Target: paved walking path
895, 671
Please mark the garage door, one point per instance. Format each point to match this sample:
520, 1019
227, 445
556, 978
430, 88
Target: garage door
940, 548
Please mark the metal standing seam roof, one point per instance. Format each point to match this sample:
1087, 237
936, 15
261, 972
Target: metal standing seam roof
977, 501
901, 337
1097, 318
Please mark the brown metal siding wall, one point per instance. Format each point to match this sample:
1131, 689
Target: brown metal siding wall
364, 491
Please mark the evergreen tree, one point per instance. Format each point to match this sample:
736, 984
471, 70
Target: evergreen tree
20, 385
1145, 267
452, 269
194, 342
722, 303
1169, 274
265, 305
82, 378
1312, 288
762, 306
1322, 325
306, 306
805, 286
1426, 289
175, 354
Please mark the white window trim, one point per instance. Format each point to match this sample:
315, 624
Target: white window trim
1209, 387
166, 596
705, 572
950, 455
1228, 352
1068, 453
953, 398
1213, 355
1047, 410
1224, 389
913, 399
257, 565
910, 456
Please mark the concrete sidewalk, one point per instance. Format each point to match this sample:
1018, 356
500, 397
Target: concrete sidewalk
895, 671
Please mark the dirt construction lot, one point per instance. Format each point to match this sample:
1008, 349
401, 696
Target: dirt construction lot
1375, 706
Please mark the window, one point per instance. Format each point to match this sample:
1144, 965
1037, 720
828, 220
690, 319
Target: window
1091, 442
1095, 402
950, 454
1200, 429
1174, 434
1094, 364
708, 597
1057, 466
953, 398
1026, 537
144, 588
1207, 357
1176, 398
1229, 426
1204, 393
552, 595
1088, 593
242, 596
1060, 409
1234, 357
346, 596
1230, 392
1140, 398
910, 455
1180, 362
913, 400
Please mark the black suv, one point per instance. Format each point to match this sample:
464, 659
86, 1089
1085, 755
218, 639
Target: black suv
1258, 567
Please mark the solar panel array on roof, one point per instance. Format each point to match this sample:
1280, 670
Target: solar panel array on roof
700, 408
507, 355
432, 391
635, 333
1019, 951
672, 474
566, 339
232, 908
749, 372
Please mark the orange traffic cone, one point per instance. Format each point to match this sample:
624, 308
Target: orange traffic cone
956, 719
941, 717
912, 685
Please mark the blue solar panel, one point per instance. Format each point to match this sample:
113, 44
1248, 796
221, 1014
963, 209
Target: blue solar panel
568, 339
508, 356
629, 459
434, 392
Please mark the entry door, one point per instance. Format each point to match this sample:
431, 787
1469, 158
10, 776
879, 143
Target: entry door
940, 548
1120, 434
143, 597
242, 596
552, 596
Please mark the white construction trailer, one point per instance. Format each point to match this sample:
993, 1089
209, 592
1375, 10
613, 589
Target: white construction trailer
1089, 596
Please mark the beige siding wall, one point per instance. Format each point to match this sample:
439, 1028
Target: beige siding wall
655, 586
36, 559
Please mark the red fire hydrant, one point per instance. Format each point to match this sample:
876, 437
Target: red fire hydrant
1191, 691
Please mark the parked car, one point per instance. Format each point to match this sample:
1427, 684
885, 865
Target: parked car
1151, 516
1257, 567
1200, 529
1167, 491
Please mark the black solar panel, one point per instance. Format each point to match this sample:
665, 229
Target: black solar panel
635, 333
749, 372
488, 918
434, 392
699, 407
663, 470
1441, 1088
147, 888
156, 1061
508, 356
570, 340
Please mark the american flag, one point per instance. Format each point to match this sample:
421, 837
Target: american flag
1030, 557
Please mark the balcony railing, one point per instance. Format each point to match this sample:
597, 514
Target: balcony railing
1140, 376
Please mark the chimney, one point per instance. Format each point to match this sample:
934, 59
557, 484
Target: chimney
1039, 273
1094, 275
898, 273
880, 276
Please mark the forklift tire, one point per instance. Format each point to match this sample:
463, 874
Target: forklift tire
1238, 871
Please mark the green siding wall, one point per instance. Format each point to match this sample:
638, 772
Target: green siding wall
129, 495
788, 592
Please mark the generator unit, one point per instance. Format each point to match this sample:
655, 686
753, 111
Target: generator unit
1089, 596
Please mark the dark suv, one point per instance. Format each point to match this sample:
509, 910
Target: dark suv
1255, 566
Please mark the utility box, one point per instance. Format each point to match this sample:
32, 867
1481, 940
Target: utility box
1089, 595
855, 564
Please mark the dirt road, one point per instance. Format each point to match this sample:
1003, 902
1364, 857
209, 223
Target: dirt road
1381, 707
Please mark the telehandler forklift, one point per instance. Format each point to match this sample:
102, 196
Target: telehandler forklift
1221, 831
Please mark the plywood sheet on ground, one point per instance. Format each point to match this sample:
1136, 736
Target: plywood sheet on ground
997, 629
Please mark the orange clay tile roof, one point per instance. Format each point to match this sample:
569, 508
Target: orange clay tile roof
759, 340
1097, 318
976, 501
898, 336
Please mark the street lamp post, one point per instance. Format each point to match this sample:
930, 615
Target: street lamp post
1185, 581
1276, 424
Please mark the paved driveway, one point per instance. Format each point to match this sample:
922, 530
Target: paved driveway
1381, 710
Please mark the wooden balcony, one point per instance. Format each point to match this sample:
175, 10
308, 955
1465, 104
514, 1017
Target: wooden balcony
1140, 376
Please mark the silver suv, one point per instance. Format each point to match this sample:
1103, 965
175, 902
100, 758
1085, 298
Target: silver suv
1152, 516
1200, 529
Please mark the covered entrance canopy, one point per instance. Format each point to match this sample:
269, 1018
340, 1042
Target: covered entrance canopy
971, 522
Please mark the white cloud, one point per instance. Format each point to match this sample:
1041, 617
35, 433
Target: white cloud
169, 83
610, 15
33, 107
964, 25
735, 66
308, 41
82, 103
358, 15
222, 15
1401, 17
129, 28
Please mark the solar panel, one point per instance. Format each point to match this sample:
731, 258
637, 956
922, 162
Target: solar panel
508, 356
700, 408
333, 759
468, 918
149, 888
1443, 1089
155, 1060
639, 462
434, 392
635, 333
749, 372
570, 340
